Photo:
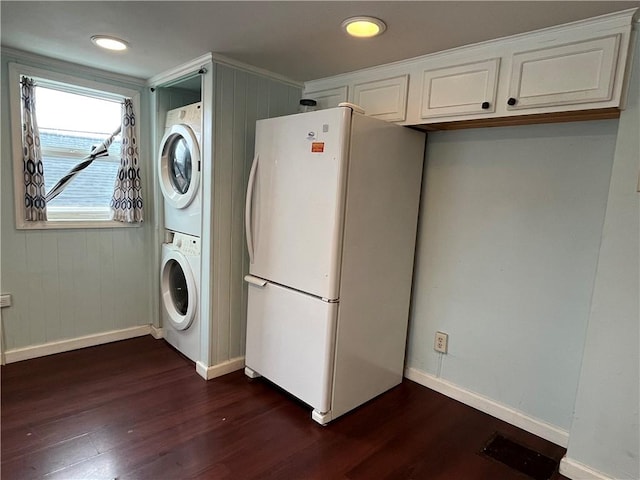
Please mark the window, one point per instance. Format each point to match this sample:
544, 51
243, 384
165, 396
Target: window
71, 125
74, 116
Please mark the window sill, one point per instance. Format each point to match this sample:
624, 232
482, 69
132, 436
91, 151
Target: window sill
75, 218
74, 224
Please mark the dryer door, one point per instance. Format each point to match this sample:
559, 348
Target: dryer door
179, 165
178, 288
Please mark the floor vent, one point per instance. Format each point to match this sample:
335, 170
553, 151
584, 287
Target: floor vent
518, 457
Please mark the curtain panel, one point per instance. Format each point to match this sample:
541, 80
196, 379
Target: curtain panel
35, 205
127, 203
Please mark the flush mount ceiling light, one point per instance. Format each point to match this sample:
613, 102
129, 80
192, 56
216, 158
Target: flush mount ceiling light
364, 27
109, 43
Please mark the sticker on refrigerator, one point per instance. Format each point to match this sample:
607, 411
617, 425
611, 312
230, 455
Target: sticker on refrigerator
317, 147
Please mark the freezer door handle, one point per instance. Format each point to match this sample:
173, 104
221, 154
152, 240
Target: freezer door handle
247, 207
258, 282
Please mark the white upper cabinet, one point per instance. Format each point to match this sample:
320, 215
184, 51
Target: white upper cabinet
460, 89
568, 72
328, 98
385, 99
574, 73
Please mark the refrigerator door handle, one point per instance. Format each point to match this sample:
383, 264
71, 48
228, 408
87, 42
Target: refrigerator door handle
251, 280
247, 207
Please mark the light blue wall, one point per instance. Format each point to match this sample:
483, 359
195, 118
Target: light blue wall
508, 243
241, 98
606, 428
70, 283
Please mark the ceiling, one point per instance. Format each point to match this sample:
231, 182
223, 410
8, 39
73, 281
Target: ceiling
301, 40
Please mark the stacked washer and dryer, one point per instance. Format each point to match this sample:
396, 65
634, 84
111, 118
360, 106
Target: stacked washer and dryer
179, 176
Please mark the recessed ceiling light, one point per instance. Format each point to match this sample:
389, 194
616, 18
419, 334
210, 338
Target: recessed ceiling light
364, 27
110, 43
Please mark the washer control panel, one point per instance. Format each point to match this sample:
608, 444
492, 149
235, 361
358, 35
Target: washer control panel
190, 115
187, 244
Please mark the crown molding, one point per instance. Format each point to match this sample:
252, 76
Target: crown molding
188, 68
41, 61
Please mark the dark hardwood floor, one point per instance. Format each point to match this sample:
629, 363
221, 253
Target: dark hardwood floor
136, 409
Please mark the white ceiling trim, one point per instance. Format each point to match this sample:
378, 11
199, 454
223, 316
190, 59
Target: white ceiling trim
196, 64
64, 66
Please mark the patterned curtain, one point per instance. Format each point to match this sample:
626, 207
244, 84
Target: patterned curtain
126, 202
35, 206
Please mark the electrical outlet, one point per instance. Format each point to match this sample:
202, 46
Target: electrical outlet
441, 343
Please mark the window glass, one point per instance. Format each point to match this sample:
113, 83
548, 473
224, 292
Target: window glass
71, 125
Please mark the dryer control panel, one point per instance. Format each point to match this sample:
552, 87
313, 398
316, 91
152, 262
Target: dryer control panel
190, 115
187, 244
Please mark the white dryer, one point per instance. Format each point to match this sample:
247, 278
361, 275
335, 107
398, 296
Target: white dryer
180, 292
179, 170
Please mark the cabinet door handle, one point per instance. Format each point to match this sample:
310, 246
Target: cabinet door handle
485, 105
512, 101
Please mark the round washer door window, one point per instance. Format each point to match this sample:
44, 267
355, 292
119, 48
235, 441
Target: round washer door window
178, 287
179, 166
178, 290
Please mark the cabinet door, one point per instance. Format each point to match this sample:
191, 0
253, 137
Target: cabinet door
574, 73
328, 98
385, 99
460, 89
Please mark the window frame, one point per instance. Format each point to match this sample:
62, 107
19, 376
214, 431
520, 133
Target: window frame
71, 84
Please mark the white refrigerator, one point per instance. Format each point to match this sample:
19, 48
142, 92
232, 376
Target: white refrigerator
331, 215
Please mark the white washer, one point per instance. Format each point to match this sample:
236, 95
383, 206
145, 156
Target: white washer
180, 292
179, 170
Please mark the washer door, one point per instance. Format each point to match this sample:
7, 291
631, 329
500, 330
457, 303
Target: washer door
179, 166
178, 289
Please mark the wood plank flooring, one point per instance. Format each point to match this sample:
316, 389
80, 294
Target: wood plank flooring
136, 409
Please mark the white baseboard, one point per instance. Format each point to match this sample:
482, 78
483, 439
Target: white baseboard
25, 353
157, 332
578, 471
514, 417
221, 369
